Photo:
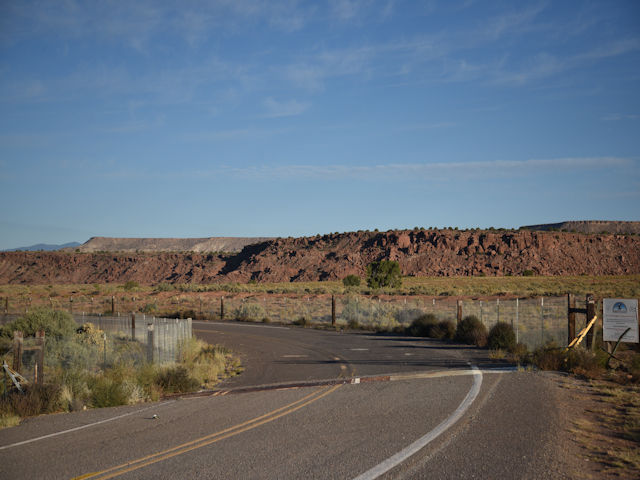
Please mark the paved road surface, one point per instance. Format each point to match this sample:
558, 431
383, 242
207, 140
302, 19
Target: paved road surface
368, 406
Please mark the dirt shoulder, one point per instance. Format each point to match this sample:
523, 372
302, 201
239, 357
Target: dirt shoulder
599, 436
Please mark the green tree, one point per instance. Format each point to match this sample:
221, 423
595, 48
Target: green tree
351, 281
385, 273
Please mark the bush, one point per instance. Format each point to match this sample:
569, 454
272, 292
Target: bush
471, 331
351, 281
548, 357
422, 326
527, 273
445, 329
427, 325
249, 311
176, 379
130, 285
55, 323
385, 273
502, 337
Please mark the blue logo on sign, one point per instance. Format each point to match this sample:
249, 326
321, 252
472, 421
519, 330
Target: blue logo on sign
619, 307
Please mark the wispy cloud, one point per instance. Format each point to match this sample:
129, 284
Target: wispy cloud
287, 108
616, 117
429, 170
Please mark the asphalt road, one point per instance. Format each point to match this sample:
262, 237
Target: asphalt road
313, 404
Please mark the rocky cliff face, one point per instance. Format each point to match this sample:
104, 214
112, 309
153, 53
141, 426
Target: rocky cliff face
332, 257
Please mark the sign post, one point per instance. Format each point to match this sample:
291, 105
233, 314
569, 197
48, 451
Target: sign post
619, 316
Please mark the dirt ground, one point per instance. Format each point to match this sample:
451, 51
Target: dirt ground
599, 437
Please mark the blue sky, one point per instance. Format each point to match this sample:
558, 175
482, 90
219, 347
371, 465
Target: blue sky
232, 118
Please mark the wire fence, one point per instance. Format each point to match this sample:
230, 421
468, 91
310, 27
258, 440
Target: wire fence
535, 321
107, 341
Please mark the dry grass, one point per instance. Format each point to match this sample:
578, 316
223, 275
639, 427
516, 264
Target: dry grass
609, 429
621, 286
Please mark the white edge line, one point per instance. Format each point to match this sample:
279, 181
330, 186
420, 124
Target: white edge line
423, 441
55, 434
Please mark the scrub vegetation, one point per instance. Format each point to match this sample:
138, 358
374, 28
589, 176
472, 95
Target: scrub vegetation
78, 374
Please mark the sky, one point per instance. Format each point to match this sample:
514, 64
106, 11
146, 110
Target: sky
265, 118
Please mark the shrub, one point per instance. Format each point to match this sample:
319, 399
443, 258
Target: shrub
385, 273
527, 273
427, 325
471, 331
249, 311
585, 363
422, 326
55, 323
519, 353
502, 336
36, 400
176, 379
548, 357
445, 329
351, 281
130, 285
164, 287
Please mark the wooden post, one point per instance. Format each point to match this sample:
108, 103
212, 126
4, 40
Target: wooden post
333, 311
221, 308
113, 305
71, 305
133, 326
150, 340
40, 357
6, 305
459, 311
591, 312
17, 350
571, 318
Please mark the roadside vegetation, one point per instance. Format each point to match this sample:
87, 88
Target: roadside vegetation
620, 286
79, 373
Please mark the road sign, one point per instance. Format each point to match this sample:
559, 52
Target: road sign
619, 315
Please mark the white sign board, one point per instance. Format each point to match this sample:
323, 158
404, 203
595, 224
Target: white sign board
618, 315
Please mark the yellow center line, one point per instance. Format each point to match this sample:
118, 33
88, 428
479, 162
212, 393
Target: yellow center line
211, 438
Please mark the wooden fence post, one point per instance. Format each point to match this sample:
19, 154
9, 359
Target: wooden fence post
113, 305
133, 326
591, 312
150, 342
333, 311
6, 305
17, 350
221, 308
459, 312
39, 375
571, 317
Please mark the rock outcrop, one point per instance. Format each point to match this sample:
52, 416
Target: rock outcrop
332, 257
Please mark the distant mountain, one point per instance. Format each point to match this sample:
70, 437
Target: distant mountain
208, 244
589, 226
43, 246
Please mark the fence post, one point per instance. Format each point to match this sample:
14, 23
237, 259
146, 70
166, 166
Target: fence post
517, 319
221, 308
113, 304
71, 305
150, 341
591, 312
17, 350
133, 326
40, 357
6, 305
459, 312
571, 318
541, 321
498, 308
333, 311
